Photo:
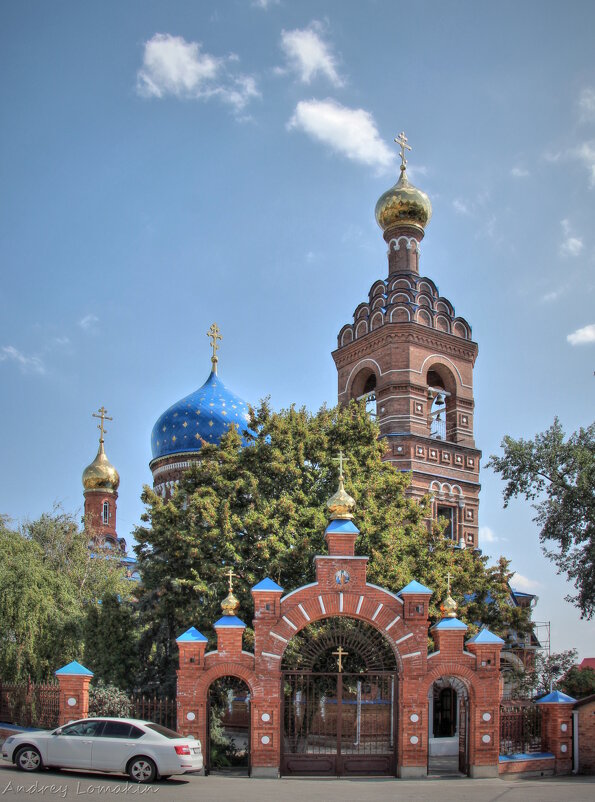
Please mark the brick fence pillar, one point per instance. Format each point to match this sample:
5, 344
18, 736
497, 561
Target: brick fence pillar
74, 682
191, 709
556, 728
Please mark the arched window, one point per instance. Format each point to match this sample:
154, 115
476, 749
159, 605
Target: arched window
369, 395
105, 514
438, 401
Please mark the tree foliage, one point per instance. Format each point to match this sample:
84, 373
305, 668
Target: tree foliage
48, 580
261, 511
578, 682
558, 475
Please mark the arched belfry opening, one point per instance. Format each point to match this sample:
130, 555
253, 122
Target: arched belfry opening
339, 686
364, 389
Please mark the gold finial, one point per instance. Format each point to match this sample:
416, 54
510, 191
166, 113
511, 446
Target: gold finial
449, 608
402, 141
341, 504
103, 417
230, 604
214, 334
340, 653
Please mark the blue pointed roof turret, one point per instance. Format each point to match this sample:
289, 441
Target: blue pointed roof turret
267, 585
555, 697
345, 527
450, 623
415, 587
192, 635
485, 636
229, 621
73, 669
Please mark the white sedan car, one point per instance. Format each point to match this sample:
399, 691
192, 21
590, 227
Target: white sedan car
141, 749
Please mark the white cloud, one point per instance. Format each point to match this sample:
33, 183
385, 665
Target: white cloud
88, 322
585, 152
571, 245
523, 583
487, 535
173, 66
309, 55
519, 172
549, 297
27, 364
349, 132
460, 207
582, 336
586, 104
265, 4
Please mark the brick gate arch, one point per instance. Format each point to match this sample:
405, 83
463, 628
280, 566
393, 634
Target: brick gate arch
341, 589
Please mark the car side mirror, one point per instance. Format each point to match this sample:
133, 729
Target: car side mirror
58, 731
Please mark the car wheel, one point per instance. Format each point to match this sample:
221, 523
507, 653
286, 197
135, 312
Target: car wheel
28, 759
142, 770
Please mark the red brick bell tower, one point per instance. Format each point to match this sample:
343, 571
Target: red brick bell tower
101, 482
411, 358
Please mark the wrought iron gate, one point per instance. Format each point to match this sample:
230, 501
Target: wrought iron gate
339, 724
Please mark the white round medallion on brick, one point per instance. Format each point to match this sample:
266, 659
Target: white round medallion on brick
414, 739
265, 739
486, 738
71, 701
414, 717
190, 716
563, 748
563, 727
487, 717
266, 717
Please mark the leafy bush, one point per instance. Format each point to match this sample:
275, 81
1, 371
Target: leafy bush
108, 700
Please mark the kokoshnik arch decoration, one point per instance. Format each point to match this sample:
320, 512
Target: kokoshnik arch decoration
411, 357
340, 678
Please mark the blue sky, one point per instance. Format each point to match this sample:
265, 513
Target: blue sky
167, 165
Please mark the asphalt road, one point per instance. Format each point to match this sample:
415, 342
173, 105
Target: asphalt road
87, 786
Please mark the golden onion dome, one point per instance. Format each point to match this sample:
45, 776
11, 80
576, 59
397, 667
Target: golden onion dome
403, 205
341, 505
230, 604
101, 474
449, 607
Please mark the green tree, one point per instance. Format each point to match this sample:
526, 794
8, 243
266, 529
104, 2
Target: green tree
558, 475
48, 580
261, 510
111, 641
578, 682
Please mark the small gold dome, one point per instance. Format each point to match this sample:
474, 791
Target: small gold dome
341, 505
101, 474
403, 205
230, 604
449, 608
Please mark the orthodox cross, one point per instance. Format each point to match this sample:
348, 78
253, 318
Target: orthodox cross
103, 417
340, 459
214, 334
402, 141
340, 653
231, 575
448, 580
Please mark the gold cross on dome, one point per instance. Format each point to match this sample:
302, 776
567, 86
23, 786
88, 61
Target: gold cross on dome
340, 459
402, 141
231, 574
103, 416
214, 334
340, 653
448, 580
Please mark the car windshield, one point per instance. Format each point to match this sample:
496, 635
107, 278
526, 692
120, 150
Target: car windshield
164, 731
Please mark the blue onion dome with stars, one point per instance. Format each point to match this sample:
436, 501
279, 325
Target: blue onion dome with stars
204, 416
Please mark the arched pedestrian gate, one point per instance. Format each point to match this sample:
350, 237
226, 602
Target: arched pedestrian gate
339, 702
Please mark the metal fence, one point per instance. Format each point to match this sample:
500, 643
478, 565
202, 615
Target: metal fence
152, 708
29, 704
520, 729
